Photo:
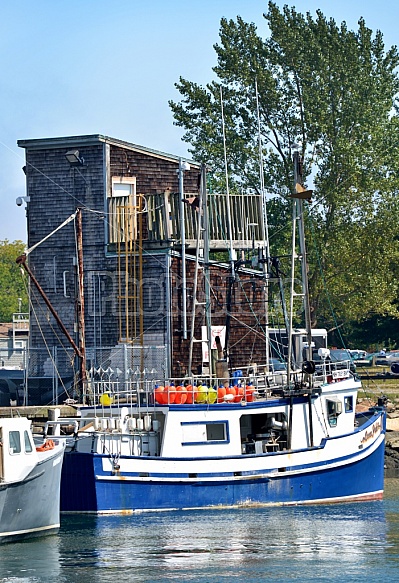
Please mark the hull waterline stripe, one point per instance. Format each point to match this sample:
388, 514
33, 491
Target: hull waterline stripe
27, 531
369, 496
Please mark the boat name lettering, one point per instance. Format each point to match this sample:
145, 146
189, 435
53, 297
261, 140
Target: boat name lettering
376, 428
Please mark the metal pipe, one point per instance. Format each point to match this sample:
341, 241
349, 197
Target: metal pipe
182, 167
81, 299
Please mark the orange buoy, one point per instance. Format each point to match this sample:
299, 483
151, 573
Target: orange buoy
158, 395
172, 394
169, 395
221, 394
190, 395
181, 395
239, 394
230, 394
249, 393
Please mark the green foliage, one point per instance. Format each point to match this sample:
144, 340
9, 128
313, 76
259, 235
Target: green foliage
333, 92
12, 286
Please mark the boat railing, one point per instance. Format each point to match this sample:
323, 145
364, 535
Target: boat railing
193, 390
256, 384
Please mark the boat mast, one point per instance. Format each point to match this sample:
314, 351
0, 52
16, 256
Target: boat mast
182, 167
265, 229
302, 195
206, 271
232, 255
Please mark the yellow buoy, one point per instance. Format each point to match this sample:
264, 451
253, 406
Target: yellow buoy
212, 395
201, 395
106, 399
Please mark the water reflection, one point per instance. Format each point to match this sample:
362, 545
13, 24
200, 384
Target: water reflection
34, 560
247, 544
321, 543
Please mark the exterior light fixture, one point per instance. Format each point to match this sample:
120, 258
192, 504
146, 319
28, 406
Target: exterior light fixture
73, 158
21, 199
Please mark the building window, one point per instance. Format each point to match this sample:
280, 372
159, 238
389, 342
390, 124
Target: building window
122, 207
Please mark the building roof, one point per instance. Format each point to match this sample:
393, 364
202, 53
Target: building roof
81, 141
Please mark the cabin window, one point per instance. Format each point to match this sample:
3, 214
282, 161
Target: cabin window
348, 401
334, 408
216, 432
122, 210
28, 443
15, 442
199, 433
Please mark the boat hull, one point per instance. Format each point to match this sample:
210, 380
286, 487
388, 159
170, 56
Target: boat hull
30, 507
90, 483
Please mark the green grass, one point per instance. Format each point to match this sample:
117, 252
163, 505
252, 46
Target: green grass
373, 384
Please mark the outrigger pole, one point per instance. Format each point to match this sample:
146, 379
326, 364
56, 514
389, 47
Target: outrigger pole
299, 195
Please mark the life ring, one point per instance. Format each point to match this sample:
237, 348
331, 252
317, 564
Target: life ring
47, 445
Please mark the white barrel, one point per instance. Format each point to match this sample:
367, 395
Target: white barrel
132, 423
147, 422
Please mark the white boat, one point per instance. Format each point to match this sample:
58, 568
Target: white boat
30, 476
256, 443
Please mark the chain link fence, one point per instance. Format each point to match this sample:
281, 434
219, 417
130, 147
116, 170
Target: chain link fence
43, 377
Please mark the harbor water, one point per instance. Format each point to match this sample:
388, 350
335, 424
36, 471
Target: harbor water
340, 542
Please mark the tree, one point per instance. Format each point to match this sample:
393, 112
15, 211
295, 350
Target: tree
12, 284
333, 92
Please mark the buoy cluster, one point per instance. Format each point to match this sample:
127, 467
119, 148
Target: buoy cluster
201, 394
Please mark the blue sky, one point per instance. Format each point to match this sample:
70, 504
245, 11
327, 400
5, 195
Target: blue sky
109, 67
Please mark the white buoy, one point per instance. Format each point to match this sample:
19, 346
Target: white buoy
132, 423
140, 424
147, 422
156, 425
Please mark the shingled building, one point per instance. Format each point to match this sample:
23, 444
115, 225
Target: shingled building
137, 307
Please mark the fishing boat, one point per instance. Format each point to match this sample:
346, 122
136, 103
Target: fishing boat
223, 436
232, 438
253, 443
30, 475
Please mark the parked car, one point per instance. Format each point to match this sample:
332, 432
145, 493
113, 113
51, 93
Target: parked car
360, 357
391, 357
343, 355
377, 358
